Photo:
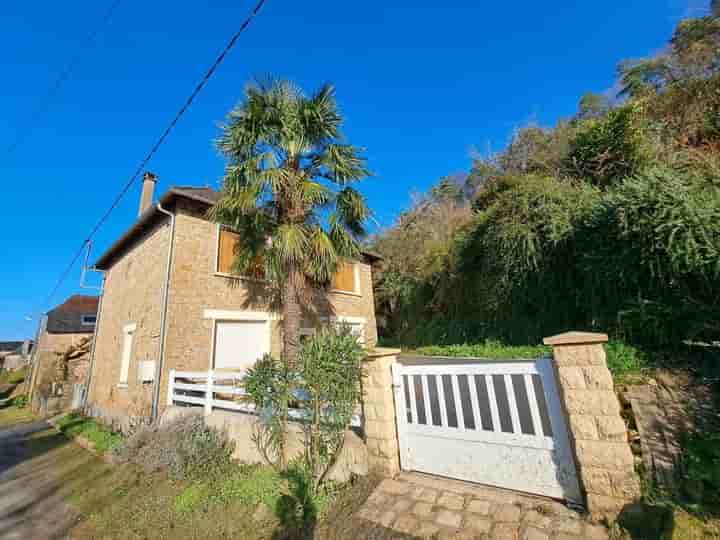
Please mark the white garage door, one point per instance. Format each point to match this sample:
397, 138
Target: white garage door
239, 344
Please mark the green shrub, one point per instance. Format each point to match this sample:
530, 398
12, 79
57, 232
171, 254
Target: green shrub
702, 459
103, 438
185, 447
624, 359
609, 149
324, 386
20, 401
488, 349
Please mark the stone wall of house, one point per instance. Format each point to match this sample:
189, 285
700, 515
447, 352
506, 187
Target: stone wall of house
133, 294
195, 286
48, 346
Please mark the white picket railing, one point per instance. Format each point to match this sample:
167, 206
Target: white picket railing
206, 384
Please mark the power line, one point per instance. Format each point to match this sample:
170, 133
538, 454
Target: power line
230, 44
62, 78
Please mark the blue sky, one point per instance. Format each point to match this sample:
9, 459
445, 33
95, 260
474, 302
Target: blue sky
420, 84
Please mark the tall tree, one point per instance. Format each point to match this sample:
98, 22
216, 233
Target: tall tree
288, 190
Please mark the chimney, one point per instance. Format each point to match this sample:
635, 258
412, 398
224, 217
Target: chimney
148, 189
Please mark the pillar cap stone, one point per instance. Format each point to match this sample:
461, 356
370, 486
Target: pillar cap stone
576, 338
379, 352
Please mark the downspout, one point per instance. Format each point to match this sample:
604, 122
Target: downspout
163, 318
94, 342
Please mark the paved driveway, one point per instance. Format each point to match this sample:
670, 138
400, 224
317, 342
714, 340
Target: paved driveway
30, 505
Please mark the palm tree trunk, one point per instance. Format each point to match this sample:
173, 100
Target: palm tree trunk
292, 314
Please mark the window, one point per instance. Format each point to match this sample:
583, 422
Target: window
88, 320
128, 332
356, 324
227, 240
239, 344
346, 279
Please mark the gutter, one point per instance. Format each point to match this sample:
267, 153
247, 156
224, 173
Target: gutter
94, 341
163, 317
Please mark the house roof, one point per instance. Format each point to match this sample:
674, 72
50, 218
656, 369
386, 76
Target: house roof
152, 216
10, 346
67, 318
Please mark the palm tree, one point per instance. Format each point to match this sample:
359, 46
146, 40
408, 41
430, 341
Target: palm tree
287, 190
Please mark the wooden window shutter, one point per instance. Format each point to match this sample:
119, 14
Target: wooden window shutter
226, 256
344, 278
226, 250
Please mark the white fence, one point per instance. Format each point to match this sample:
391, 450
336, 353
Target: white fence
221, 390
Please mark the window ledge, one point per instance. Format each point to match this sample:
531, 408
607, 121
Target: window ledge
122, 385
243, 278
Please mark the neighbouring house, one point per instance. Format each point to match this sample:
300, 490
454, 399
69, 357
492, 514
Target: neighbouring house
59, 373
172, 302
15, 354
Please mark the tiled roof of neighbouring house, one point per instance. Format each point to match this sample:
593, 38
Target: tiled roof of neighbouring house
71, 317
10, 346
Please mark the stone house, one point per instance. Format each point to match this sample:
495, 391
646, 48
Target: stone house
15, 354
172, 301
67, 325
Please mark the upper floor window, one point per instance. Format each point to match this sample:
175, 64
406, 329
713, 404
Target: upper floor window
88, 320
227, 240
346, 279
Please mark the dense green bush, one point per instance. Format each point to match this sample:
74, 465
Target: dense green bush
185, 447
103, 438
324, 386
608, 149
702, 460
488, 349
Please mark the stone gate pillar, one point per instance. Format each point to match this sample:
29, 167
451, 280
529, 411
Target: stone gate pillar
379, 412
597, 431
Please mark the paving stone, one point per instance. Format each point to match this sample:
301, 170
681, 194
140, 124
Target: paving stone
566, 536
423, 510
476, 523
402, 505
506, 513
424, 494
535, 518
596, 532
387, 518
448, 518
370, 513
506, 531
378, 498
406, 524
427, 530
535, 534
477, 506
569, 526
394, 487
451, 501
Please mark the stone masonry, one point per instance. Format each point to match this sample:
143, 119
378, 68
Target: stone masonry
379, 412
597, 431
424, 506
133, 294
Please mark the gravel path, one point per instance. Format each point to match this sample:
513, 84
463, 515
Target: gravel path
30, 505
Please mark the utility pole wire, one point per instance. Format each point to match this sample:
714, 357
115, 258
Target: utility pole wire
157, 145
65, 74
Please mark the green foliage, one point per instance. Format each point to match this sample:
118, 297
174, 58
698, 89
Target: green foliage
324, 386
330, 376
593, 106
20, 401
289, 180
488, 349
269, 383
608, 149
185, 447
623, 359
103, 438
13, 377
702, 460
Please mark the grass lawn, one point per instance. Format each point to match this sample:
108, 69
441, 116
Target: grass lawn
125, 501
11, 415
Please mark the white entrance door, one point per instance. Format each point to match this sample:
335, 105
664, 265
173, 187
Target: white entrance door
496, 423
239, 344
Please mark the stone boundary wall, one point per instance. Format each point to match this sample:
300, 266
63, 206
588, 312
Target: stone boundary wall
597, 431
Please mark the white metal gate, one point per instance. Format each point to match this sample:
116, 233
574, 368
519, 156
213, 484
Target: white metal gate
492, 422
